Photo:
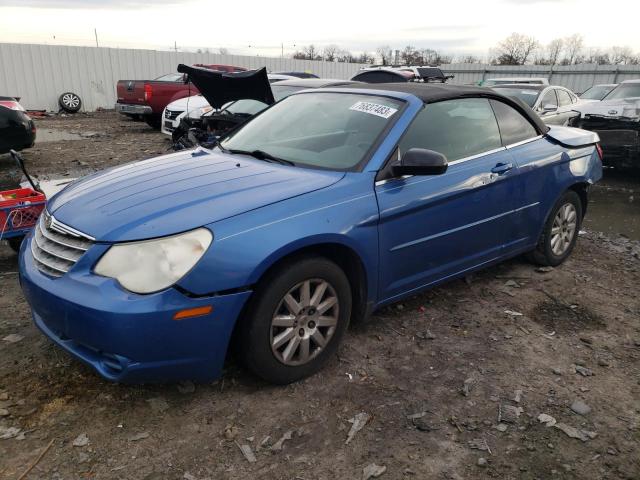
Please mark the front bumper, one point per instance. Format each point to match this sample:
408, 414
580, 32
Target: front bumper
126, 337
132, 109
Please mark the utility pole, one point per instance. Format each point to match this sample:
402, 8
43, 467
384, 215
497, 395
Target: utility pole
95, 31
282, 50
175, 46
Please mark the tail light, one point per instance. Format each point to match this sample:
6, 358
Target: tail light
600, 152
148, 92
11, 104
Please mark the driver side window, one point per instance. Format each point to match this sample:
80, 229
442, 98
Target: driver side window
456, 128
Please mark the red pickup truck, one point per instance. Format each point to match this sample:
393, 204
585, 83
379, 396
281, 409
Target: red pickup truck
146, 99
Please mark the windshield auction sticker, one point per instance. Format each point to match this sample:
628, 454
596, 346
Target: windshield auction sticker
373, 109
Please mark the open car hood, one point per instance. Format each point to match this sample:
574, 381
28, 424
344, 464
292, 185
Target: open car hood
220, 87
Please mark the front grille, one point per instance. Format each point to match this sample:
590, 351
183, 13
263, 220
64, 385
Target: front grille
55, 247
172, 114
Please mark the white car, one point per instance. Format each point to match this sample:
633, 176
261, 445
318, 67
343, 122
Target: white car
196, 106
597, 93
622, 102
554, 104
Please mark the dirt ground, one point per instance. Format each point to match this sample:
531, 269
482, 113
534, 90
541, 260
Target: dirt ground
448, 385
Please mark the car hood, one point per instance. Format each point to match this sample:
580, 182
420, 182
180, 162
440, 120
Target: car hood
621, 107
178, 192
220, 88
193, 102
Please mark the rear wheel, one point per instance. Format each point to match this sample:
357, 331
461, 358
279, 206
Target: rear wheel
295, 321
560, 231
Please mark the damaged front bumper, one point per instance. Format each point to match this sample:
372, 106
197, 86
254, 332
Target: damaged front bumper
619, 139
126, 337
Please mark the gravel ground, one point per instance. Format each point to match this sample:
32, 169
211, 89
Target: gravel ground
450, 384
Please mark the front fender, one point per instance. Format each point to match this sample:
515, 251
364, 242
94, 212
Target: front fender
245, 246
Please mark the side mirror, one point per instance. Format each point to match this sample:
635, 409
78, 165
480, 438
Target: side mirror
420, 161
549, 107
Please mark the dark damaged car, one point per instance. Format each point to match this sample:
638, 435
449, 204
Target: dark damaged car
616, 119
17, 130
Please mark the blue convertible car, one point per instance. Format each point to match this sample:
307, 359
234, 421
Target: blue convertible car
324, 207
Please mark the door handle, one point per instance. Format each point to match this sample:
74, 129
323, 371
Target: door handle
501, 168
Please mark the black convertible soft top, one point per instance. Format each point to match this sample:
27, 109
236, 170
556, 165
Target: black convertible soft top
432, 93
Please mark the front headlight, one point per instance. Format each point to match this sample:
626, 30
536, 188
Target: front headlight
152, 265
198, 112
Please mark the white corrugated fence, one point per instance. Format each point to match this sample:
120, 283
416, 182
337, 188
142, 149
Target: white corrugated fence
40, 73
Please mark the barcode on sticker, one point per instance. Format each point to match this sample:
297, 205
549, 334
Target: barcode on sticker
373, 109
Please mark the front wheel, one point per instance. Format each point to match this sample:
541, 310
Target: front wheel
295, 321
560, 231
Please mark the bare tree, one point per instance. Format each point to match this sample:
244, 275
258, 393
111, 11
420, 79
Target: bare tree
330, 53
622, 55
468, 59
516, 49
573, 46
346, 56
595, 55
384, 52
365, 57
311, 52
410, 55
554, 50
223, 51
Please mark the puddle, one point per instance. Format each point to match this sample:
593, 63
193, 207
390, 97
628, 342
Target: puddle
614, 209
51, 135
560, 317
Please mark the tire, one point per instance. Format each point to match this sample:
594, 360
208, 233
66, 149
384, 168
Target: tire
257, 336
153, 121
70, 102
560, 231
14, 243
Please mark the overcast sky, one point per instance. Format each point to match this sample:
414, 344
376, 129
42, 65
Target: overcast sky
261, 27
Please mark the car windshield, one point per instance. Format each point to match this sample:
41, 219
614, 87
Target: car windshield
624, 90
170, 77
597, 92
319, 129
252, 107
527, 95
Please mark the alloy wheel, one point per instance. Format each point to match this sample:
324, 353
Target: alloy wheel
71, 100
563, 229
304, 322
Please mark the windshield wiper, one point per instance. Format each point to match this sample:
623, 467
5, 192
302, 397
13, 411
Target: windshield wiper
262, 155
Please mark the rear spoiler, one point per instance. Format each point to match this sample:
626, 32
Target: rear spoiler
220, 88
572, 137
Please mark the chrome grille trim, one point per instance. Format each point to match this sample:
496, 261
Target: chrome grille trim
172, 114
56, 247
